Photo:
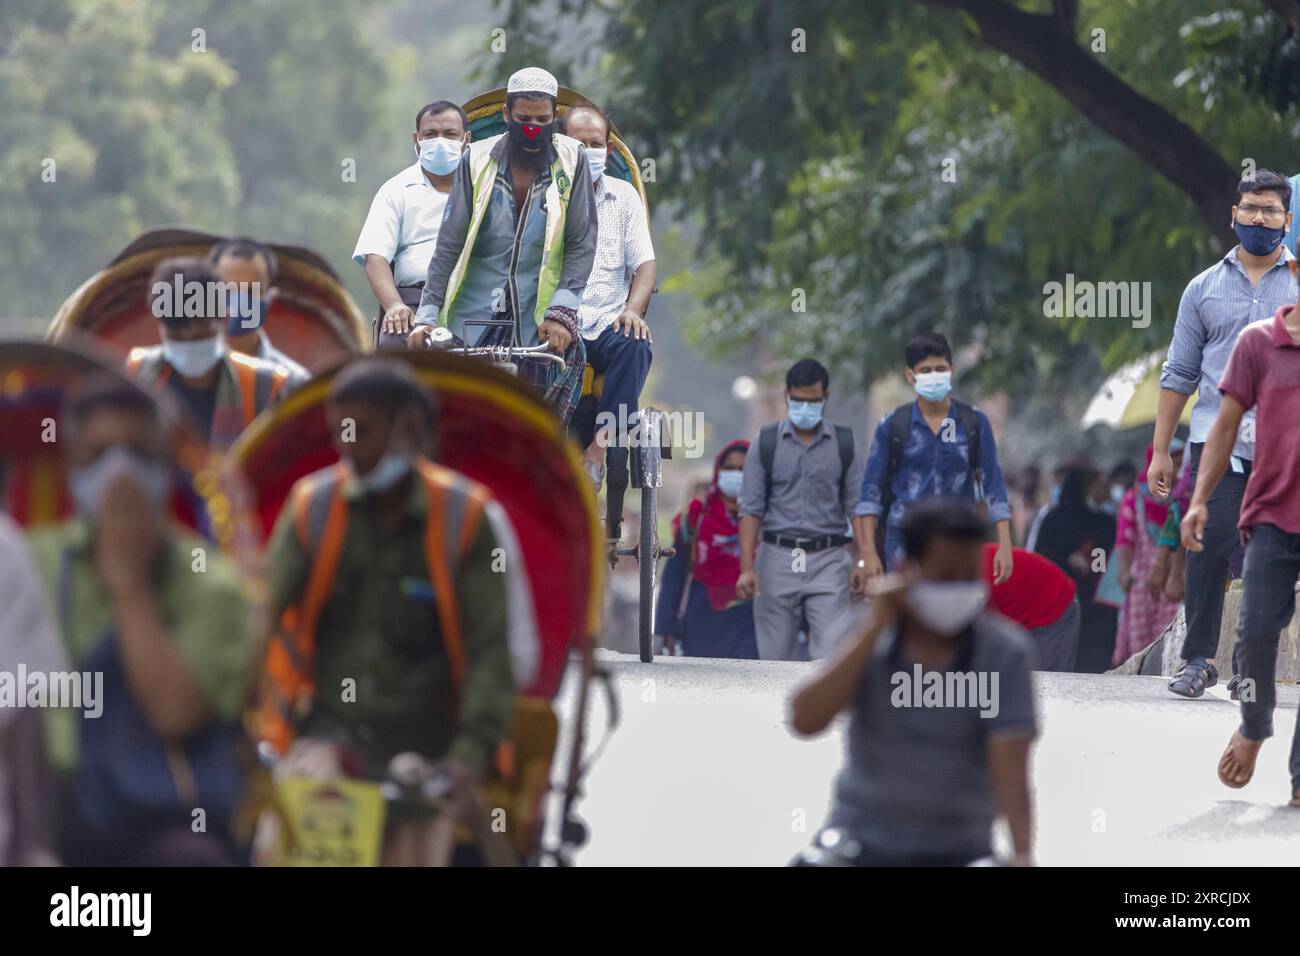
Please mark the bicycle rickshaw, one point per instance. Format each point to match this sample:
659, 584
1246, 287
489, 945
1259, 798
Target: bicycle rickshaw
494, 429
34, 378
641, 464
313, 319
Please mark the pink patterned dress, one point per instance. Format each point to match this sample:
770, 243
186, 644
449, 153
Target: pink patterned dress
1142, 618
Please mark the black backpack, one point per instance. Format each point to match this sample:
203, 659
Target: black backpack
767, 455
900, 419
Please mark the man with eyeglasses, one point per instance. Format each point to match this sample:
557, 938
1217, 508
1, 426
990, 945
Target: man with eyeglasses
1250, 283
1295, 198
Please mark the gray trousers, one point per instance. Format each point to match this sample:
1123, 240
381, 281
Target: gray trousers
1057, 643
791, 587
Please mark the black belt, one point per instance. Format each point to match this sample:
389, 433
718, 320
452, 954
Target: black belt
410, 294
806, 545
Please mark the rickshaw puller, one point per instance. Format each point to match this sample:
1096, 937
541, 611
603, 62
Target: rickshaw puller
518, 238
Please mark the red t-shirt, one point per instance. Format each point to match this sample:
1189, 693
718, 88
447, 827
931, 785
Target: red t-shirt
1037, 593
1264, 372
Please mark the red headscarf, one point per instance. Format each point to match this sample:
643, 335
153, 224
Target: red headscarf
716, 561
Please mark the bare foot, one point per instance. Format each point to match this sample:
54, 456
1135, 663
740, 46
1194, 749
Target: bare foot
1237, 765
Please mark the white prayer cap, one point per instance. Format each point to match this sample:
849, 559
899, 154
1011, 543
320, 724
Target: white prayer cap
532, 79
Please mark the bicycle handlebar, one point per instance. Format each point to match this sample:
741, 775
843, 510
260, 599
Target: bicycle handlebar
503, 353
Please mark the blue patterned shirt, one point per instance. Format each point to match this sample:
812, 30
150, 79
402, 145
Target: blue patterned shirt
933, 465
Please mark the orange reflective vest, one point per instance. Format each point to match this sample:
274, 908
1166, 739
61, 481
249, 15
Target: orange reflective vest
320, 513
258, 385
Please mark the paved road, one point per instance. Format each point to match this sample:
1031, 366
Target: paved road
703, 771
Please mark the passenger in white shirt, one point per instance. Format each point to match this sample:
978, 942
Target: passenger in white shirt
401, 230
611, 317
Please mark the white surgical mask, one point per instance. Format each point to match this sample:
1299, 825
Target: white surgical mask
440, 155
88, 483
596, 157
933, 386
193, 359
729, 481
391, 469
946, 607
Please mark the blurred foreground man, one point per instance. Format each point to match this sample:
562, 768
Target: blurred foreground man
222, 390
382, 575
942, 709
162, 643
29, 639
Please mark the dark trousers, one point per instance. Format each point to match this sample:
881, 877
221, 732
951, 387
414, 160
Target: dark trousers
387, 341
1267, 604
1207, 570
1057, 643
625, 362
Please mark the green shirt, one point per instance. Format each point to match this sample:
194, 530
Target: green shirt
202, 606
382, 677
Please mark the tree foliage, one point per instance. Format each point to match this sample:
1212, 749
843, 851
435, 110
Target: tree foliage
823, 170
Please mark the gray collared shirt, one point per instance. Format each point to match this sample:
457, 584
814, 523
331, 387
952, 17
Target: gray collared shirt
1215, 307
807, 500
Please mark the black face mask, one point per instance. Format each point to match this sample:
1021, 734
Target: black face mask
534, 144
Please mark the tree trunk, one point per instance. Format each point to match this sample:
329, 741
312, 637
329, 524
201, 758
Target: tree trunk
1046, 46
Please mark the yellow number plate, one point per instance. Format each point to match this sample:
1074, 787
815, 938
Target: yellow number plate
335, 823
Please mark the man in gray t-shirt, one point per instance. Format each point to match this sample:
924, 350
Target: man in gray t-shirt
941, 706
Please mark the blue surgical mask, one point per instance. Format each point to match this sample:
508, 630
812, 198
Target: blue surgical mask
729, 481
1258, 240
391, 469
440, 155
88, 483
246, 314
806, 415
596, 157
193, 359
933, 386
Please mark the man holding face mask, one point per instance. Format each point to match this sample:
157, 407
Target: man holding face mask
519, 236
799, 489
401, 230
173, 646
941, 704
223, 390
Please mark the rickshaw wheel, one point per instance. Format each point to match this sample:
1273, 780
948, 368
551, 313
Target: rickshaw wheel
647, 560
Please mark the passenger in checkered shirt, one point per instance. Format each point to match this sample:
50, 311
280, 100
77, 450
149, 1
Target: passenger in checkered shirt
611, 319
